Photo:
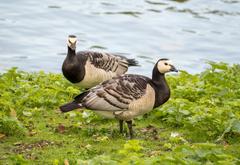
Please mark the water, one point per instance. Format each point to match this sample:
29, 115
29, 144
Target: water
33, 34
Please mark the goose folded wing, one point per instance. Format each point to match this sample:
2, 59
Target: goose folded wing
109, 62
115, 94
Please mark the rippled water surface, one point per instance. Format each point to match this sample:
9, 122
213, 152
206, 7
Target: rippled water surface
33, 33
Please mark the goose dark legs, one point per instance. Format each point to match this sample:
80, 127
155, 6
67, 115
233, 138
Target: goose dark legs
129, 123
121, 126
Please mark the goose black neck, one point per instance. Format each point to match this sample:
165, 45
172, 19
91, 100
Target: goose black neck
158, 77
162, 91
71, 52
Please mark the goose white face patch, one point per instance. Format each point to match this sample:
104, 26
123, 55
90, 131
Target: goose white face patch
71, 41
164, 66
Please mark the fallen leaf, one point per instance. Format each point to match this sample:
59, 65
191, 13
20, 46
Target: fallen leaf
32, 133
13, 113
2, 136
27, 114
88, 146
17, 143
174, 134
66, 162
61, 128
102, 138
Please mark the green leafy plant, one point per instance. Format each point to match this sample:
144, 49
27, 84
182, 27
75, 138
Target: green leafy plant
11, 126
205, 103
200, 124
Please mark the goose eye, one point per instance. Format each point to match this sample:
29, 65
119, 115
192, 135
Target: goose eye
166, 63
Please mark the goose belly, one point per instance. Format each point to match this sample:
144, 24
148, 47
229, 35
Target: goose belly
140, 106
94, 76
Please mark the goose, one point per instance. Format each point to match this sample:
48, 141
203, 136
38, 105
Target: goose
88, 68
127, 96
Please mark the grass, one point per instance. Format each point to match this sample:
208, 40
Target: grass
200, 124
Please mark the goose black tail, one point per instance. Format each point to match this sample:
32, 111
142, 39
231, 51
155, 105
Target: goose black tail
132, 62
69, 107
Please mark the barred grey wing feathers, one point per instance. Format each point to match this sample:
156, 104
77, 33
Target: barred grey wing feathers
116, 94
109, 62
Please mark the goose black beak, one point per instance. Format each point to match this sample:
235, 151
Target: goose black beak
173, 69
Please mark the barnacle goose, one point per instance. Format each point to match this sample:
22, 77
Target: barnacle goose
88, 68
127, 96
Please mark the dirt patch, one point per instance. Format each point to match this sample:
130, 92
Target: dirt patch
23, 147
150, 131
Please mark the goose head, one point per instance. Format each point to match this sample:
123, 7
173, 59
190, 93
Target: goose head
71, 42
165, 65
